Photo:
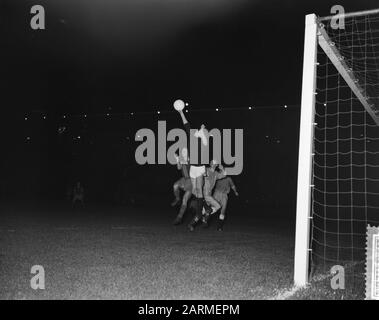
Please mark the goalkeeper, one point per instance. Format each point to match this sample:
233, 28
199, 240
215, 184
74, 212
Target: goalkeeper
197, 170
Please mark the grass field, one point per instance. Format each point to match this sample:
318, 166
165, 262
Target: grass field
131, 253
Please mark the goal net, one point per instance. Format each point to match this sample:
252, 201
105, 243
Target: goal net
344, 143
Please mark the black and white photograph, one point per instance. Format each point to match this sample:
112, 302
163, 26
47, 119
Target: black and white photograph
189, 155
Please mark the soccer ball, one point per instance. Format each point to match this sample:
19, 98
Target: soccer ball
179, 105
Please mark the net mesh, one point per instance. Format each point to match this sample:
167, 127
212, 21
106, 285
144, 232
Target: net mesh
345, 193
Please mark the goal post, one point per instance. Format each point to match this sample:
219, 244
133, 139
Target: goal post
305, 152
338, 161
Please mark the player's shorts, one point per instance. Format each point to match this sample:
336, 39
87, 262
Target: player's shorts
185, 184
197, 171
221, 198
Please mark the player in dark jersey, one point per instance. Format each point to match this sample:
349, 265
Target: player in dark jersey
184, 184
220, 194
215, 172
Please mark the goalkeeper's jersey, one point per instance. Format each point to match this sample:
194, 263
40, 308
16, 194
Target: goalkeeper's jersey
193, 162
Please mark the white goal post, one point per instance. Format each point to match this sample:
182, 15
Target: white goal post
315, 36
305, 152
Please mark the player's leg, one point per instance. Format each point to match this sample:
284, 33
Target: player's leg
213, 203
74, 199
192, 205
197, 186
179, 218
207, 209
197, 181
214, 206
176, 189
221, 217
198, 213
78, 202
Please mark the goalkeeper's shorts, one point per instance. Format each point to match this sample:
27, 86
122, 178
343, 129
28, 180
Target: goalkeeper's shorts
197, 171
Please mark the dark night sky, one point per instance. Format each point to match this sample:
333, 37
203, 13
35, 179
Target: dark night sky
142, 54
